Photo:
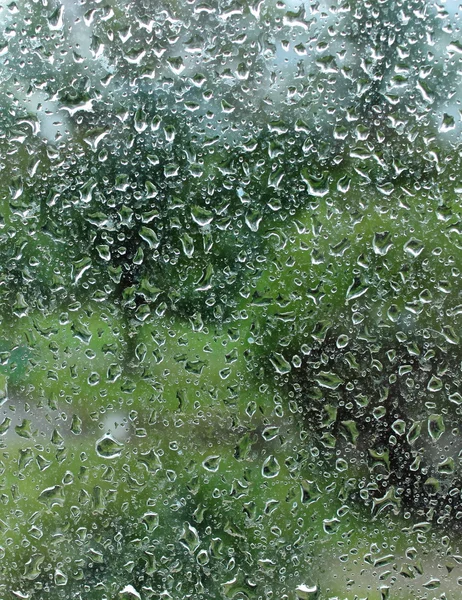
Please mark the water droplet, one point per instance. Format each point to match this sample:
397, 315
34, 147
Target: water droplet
151, 521
212, 463
190, 538
307, 592
108, 447
414, 247
270, 467
329, 380
436, 426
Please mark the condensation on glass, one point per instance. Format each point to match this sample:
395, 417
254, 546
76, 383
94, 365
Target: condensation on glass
230, 299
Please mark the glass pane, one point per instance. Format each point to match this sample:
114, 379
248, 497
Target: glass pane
230, 299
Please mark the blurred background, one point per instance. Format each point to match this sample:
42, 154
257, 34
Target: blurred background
230, 299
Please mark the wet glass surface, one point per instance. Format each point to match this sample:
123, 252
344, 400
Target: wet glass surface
230, 300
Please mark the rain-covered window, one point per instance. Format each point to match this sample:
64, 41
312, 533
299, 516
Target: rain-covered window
230, 299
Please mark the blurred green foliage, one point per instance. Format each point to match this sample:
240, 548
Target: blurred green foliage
230, 301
